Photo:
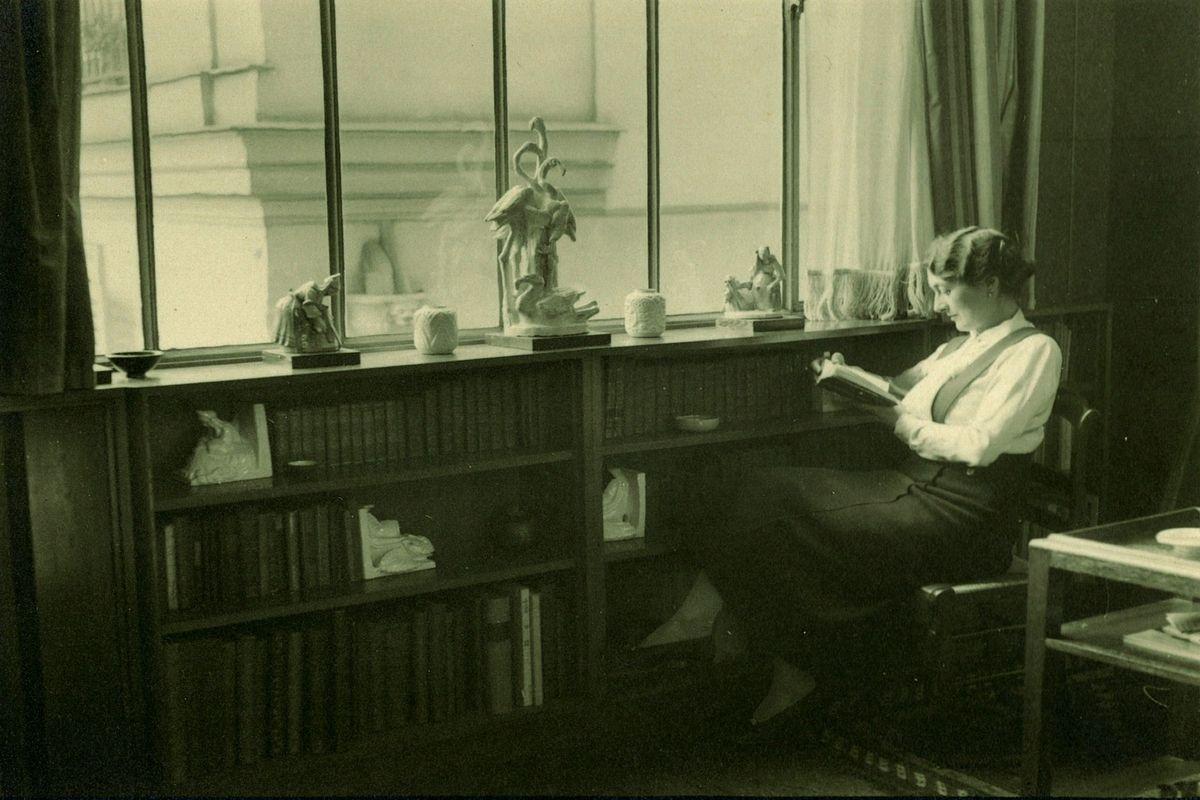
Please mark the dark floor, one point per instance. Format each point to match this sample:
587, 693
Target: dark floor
692, 742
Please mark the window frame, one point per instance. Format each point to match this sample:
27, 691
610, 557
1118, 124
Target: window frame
791, 10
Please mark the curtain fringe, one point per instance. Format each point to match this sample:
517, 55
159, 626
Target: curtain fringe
867, 294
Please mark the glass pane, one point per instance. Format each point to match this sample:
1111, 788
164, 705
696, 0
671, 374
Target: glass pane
106, 179
720, 144
581, 66
418, 166
237, 162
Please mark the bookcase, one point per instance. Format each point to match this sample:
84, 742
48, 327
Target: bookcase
259, 645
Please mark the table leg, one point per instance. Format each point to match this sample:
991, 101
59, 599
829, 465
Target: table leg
1043, 671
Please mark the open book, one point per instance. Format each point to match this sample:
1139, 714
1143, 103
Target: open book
858, 385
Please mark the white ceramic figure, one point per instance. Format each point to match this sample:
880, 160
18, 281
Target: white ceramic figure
760, 296
229, 451
624, 505
303, 322
530, 220
435, 330
645, 313
386, 551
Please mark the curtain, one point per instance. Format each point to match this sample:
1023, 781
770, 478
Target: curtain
983, 77
46, 340
868, 206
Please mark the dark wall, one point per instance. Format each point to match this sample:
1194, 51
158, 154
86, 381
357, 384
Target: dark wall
1154, 239
1119, 213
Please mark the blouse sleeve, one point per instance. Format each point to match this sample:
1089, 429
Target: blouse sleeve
1019, 398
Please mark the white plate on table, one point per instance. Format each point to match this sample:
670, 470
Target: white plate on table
1186, 541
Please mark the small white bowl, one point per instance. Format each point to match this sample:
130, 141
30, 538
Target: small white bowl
1186, 541
696, 423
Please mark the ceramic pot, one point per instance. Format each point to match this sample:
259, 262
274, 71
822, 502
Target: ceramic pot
435, 330
645, 314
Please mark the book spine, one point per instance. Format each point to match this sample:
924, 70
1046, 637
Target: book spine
316, 695
445, 391
249, 700
499, 656
414, 426
432, 429
345, 436
333, 438
309, 570
535, 640
170, 571
522, 646
247, 536
294, 711
343, 678
321, 525
438, 690
420, 666
292, 532
394, 424
379, 419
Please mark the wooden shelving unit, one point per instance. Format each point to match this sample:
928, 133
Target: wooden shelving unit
589, 414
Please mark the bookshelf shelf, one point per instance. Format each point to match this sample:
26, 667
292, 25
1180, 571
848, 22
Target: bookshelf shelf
630, 549
377, 590
179, 497
669, 441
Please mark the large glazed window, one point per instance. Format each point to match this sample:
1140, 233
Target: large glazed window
418, 164
106, 179
581, 66
721, 151
237, 159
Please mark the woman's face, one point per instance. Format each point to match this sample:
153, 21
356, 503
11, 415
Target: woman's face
969, 305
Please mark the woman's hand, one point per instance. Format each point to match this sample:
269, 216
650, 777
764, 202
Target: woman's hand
818, 363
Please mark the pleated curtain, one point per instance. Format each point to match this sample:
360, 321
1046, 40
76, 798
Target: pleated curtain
46, 339
921, 116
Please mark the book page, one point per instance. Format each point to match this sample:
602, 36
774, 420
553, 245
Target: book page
856, 384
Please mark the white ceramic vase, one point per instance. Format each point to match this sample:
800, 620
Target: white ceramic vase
645, 313
435, 330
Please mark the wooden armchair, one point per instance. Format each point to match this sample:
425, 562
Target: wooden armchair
975, 631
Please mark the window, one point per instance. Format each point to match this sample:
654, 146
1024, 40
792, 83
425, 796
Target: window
106, 179
721, 159
418, 160
236, 114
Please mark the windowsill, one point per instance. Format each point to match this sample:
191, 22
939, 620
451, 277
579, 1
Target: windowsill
675, 340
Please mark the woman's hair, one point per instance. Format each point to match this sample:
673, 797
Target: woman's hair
972, 255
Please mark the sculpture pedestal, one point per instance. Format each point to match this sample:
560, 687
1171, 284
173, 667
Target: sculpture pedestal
345, 357
539, 343
749, 325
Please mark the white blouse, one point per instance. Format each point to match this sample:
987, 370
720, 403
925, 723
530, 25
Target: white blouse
1001, 411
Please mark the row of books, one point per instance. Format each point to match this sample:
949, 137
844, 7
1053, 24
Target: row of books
474, 412
318, 687
644, 396
244, 555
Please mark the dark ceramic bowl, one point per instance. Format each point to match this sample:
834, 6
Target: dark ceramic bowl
135, 363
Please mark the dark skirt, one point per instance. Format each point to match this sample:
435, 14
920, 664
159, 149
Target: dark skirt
816, 565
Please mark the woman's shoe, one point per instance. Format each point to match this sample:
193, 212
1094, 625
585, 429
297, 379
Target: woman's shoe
799, 724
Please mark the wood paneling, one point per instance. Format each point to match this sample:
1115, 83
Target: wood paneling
83, 616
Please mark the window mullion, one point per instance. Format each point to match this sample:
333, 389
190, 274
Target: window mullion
500, 117
653, 275
143, 194
792, 9
333, 158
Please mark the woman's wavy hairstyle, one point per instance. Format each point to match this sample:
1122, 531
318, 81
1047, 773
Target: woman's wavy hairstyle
973, 255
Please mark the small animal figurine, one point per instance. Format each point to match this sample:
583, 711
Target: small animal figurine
304, 323
763, 292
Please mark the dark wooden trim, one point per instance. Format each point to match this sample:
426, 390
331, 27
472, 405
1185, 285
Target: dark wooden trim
143, 185
590, 431
653, 194
15, 774
333, 157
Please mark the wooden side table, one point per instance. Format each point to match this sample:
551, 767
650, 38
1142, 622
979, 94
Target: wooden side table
1123, 551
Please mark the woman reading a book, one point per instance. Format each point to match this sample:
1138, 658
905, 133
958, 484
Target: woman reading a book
808, 561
